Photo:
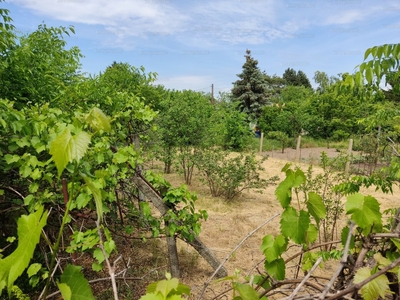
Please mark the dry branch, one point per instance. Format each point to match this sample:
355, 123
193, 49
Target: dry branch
297, 289
343, 261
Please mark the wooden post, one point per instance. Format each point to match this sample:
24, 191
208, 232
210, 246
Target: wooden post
261, 141
297, 156
349, 150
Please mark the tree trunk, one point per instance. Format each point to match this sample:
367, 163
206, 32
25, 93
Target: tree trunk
208, 256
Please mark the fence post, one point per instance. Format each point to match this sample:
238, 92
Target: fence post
297, 156
347, 169
261, 141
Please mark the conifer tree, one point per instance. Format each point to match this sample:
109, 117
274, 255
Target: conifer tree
251, 89
296, 79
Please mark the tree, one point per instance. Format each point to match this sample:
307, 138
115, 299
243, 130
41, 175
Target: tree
275, 84
296, 79
183, 123
251, 89
322, 79
36, 67
303, 79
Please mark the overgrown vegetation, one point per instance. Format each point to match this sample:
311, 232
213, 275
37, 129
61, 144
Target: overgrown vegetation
71, 171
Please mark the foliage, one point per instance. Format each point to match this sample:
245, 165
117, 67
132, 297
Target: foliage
184, 124
236, 131
29, 230
37, 68
167, 289
73, 284
182, 218
228, 175
250, 90
324, 185
296, 79
281, 137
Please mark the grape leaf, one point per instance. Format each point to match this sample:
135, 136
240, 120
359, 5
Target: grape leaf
246, 292
74, 285
364, 211
311, 234
29, 230
316, 206
284, 191
98, 120
294, 225
273, 247
67, 147
276, 268
379, 287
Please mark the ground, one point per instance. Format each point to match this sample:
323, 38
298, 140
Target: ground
231, 222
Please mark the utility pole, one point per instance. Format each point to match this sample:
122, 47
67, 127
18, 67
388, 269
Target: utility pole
212, 93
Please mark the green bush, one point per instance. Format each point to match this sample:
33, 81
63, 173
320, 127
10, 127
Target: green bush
228, 176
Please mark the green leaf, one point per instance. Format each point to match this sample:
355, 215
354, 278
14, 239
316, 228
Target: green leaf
276, 268
82, 200
273, 247
98, 120
344, 235
97, 267
66, 148
379, 287
98, 255
311, 234
284, 191
359, 79
364, 211
29, 230
96, 195
65, 291
79, 287
316, 206
369, 74
33, 269
166, 286
294, 225
246, 292
152, 297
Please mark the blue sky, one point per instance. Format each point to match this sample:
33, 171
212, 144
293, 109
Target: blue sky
195, 43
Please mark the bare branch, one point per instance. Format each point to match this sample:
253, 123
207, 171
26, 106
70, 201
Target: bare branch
341, 265
297, 289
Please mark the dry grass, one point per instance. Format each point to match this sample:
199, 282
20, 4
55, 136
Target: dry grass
227, 225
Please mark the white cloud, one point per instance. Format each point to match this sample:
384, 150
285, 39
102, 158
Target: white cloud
123, 17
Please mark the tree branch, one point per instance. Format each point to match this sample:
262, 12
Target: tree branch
343, 261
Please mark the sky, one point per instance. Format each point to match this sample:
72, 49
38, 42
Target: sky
193, 44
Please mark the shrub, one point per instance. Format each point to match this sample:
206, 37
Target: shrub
228, 176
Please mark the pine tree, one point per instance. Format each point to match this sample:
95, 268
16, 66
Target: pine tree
251, 89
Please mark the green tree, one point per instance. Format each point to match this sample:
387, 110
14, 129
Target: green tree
184, 125
296, 79
251, 89
36, 67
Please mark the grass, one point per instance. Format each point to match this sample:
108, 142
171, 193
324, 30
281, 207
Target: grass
306, 142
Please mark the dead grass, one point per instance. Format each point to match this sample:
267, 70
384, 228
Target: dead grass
227, 225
